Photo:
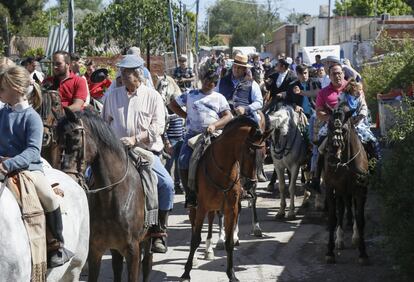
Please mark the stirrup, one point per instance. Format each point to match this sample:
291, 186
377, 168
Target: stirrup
159, 245
59, 257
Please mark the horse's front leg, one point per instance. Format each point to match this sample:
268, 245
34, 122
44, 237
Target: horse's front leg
281, 177
133, 259
222, 235
330, 196
117, 265
195, 240
257, 231
360, 220
209, 253
94, 262
147, 260
230, 220
292, 190
339, 241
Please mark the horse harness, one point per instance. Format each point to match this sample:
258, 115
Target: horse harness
49, 122
81, 165
252, 146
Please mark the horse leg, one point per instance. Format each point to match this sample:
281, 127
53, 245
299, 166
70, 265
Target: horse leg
339, 241
147, 260
281, 177
94, 263
195, 240
292, 189
230, 222
257, 231
133, 259
360, 219
236, 228
330, 256
349, 214
209, 253
117, 265
222, 235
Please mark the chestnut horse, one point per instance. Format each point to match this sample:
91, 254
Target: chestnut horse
116, 197
228, 162
51, 111
346, 170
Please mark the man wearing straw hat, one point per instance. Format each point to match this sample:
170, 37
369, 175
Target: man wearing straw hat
242, 92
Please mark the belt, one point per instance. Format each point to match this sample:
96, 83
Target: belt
156, 153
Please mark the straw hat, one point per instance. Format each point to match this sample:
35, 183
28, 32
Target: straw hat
241, 60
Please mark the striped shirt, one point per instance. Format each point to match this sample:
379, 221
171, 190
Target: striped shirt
175, 127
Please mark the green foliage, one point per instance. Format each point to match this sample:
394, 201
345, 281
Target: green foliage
371, 8
296, 18
395, 186
205, 41
22, 11
246, 22
395, 71
35, 53
119, 22
91, 5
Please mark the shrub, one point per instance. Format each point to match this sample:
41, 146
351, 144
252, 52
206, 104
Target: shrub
395, 186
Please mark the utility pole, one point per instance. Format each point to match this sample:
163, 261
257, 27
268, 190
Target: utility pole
6, 38
329, 23
71, 25
196, 39
173, 39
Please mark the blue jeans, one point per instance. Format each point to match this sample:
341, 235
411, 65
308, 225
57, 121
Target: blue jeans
176, 144
165, 185
186, 152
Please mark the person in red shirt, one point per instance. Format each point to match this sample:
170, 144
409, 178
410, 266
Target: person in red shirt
72, 88
96, 89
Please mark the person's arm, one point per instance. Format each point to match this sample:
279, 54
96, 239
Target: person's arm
176, 108
257, 98
80, 95
225, 117
77, 105
34, 136
321, 114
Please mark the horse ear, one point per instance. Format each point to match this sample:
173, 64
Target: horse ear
70, 115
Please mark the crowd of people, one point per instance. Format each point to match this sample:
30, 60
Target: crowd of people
242, 85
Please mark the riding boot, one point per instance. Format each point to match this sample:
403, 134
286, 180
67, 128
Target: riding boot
190, 195
159, 245
59, 255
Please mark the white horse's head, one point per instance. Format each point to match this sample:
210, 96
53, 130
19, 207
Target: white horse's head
279, 120
168, 88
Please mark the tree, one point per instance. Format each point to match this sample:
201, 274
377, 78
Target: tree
296, 18
245, 20
91, 5
22, 10
131, 23
371, 8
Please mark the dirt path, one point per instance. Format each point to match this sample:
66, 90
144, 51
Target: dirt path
289, 250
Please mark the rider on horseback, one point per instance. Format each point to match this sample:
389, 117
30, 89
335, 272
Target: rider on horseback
205, 110
183, 74
20, 145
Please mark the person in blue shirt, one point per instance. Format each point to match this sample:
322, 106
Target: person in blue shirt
241, 91
20, 144
206, 110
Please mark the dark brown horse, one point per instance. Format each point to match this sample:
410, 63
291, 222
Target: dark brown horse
116, 197
229, 162
346, 169
51, 111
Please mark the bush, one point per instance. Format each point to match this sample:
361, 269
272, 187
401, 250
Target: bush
35, 53
395, 186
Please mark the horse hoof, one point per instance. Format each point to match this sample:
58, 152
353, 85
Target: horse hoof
186, 279
330, 259
340, 245
195, 262
355, 242
291, 216
280, 216
234, 280
363, 260
220, 245
257, 233
209, 256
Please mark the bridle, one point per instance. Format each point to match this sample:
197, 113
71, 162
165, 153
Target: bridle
240, 174
79, 173
49, 122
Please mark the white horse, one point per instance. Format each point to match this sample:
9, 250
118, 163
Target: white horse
289, 152
15, 257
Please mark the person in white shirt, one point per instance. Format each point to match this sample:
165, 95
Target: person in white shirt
30, 64
136, 114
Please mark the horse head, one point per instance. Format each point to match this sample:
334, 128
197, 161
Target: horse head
338, 131
50, 111
279, 120
71, 139
168, 88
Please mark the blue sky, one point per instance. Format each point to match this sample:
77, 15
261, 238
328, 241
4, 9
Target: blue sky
286, 6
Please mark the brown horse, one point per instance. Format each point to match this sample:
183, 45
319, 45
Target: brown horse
51, 111
116, 197
346, 169
229, 162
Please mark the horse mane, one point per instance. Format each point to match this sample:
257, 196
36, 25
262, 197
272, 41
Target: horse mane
46, 106
99, 131
240, 121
